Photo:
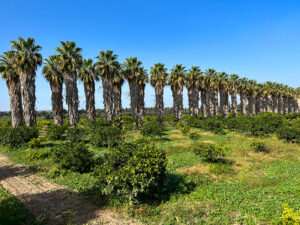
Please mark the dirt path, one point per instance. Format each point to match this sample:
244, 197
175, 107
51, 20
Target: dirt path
52, 201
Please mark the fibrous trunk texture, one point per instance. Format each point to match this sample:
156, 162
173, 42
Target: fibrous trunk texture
28, 97
285, 105
275, 104
72, 97
269, 105
296, 109
57, 102
15, 100
204, 102
280, 105
159, 101
209, 98
215, 102
234, 103
134, 100
117, 89
108, 98
141, 103
224, 102
89, 90
290, 105
251, 104
243, 104
177, 101
258, 104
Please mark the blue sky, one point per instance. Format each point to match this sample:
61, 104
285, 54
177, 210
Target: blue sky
258, 39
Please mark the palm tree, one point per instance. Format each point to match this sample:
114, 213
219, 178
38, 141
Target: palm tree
268, 96
108, 67
242, 85
70, 61
12, 79
131, 70
87, 73
142, 80
260, 93
176, 80
297, 100
158, 80
52, 73
27, 59
118, 81
212, 96
233, 84
203, 85
222, 79
192, 82
251, 94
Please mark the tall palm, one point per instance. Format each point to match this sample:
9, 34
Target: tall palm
192, 82
52, 73
233, 84
260, 96
87, 73
176, 80
268, 96
118, 81
12, 79
297, 99
212, 96
203, 86
70, 62
27, 59
108, 66
251, 94
158, 80
142, 80
131, 69
223, 84
242, 85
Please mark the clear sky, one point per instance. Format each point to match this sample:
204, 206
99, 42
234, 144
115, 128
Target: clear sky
258, 39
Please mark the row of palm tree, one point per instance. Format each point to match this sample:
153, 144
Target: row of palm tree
18, 67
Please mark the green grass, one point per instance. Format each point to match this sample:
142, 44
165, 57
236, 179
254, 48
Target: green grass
246, 188
12, 211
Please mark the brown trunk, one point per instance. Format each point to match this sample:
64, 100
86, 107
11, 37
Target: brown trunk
57, 102
117, 89
285, 105
28, 97
196, 101
290, 105
224, 102
15, 100
141, 103
72, 101
258, 104
159, 101
251, 104
89, 90
269, 104
177, 101
296, 105
204, 103
243, 104
234, 103
209, 97
215, 102
108, 98
275, 104
134, 100
190, 100
280, 105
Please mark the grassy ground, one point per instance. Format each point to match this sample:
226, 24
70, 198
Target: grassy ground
12, 212
246, 188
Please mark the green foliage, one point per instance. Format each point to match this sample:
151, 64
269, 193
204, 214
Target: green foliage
214, 125
288, 217
259, 146
221, 168
75, 134
170, 119
290, 132
55, 132
153, 128
105, 136
194, 136
35, 143
210, 152
185, 129
132, 169
16, 137
40, 154
74, 156
128, 123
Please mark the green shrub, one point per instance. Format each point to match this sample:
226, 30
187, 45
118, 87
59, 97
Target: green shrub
289, 133
210, 152
194, 136
75, 134
131, 170
105, 136
221, 169
17, 137
214, 125
128, 123
74, 156
153, 128
288, 217
259, 146
34, 143
40, 154
170, 119
185, 129
55, 132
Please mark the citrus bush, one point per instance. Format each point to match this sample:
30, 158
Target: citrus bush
132, 169
75, 134
259, 146
153, 128
194, 136
55, 132
289, 216
105, 136
35, 143
210, 152
290, 132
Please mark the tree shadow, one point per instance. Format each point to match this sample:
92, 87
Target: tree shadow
13, 171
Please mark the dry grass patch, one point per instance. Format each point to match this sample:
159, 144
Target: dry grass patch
174, 131
177, 137
183, 144
209, 142
207, 133
195, 170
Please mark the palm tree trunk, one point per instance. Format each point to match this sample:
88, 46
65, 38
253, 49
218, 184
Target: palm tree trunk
141, 103
296, 105
89, 90
72, 97
269, 103
159, 101
258, 104
234, 103
204, 102
15, 100
210, 103
280, 105
195, 101
190, 100
134, 100
285, 105
275, 104
117, 89
243, 104
224, 102
57, 102
177, 101
215, 102
251, 104
28, 96
290, 105
108, 98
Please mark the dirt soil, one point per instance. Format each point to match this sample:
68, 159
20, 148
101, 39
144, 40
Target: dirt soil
51, 202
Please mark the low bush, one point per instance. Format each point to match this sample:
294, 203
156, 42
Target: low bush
170, 119
55, 132
221, 169
131, 170
210, 152
35, 143
194, 136
74, 156
16, 137
214, 125
289, 133
153, 128
185, 129
105, 136
259, 146
40, 154
75, 134
288, 217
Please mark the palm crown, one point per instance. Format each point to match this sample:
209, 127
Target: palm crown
193, 76
131, 67
87, 72
7, 69
177, 75
107, 64
158, 74
51, 70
